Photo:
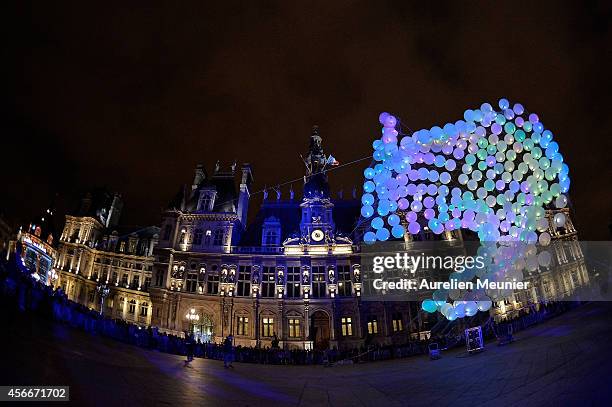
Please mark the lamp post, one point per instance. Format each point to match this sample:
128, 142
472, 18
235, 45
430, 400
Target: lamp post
103, 291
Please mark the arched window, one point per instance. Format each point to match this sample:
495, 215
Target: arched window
132, 306
271, 232
144, 309
207, 201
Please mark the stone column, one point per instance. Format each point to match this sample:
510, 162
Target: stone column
256, 322
169, 272
306, 321
281, 311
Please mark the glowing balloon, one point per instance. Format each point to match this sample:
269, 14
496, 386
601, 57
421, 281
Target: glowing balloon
429, 306
559, 220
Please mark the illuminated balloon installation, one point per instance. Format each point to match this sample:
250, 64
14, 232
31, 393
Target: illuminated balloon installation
494, 173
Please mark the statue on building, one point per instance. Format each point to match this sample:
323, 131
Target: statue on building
331, 276
306, 276
280, 277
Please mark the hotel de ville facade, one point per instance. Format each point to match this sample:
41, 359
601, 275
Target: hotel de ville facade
291, 273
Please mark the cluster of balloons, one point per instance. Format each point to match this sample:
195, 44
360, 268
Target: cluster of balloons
493, 172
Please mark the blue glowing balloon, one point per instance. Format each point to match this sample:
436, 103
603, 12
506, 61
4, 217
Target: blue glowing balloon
369, 237
382, 234
429, 306
398, 231
367, 211
377, 223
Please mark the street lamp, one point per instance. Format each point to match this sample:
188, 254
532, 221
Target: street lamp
103, 291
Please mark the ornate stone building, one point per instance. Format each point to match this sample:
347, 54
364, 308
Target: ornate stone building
95, 253
292, 273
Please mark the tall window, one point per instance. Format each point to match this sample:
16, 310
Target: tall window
271, 232
345, 285
197, 237
192, 282
293, 282
136, 281
267, 282
271, 237
267, 326
372, 325
206, 202
218, 237
397, 322
144, 309
294, 328
147, 283
124, 280
347, 326
319, 285
159, 278
243, 326
91, 295
244, 281
212, 284
132, 307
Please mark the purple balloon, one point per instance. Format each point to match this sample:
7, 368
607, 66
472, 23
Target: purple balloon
414, 228
496, 128
411, 216
382, 118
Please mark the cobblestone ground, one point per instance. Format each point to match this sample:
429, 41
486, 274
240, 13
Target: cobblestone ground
566, 361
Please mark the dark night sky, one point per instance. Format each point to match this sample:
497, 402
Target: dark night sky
133, 97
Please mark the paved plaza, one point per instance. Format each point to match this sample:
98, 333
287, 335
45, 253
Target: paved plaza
565, 361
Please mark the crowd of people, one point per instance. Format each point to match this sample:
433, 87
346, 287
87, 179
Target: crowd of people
18, 290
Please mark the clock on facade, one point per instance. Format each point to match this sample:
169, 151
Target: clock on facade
317, 235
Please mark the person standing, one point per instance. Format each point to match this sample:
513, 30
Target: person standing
228, 352
188, 347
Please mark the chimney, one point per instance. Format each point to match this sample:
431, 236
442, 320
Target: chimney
243, 198
200, 175
114, 211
